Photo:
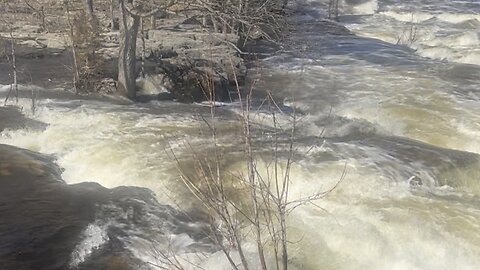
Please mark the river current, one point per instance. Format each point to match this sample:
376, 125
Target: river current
388, 98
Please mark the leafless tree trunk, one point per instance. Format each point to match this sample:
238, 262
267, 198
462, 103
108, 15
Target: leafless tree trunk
42, 14
14, 67
142, 37
89, 10
153, 22
13, 64
333, 10
39, 11
12, 60
129, 24
113, 24
76, 74
130, 18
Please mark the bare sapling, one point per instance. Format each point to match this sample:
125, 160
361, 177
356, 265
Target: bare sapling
13, 64
113, 22
33, 96
12, 60
90, 11
38, 11
76, 72
409, 35
144, 53
333, 10
246, 18
251, 205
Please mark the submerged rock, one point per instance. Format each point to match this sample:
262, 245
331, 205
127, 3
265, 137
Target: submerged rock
12, 118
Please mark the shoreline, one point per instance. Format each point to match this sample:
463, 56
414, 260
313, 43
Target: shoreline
179, 56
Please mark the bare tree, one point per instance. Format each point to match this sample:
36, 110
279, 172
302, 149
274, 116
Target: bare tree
12, 58
333, 10
89, 9
40, 11
113, 22
76, 72
410, 34
247, 18
267, 204
127, 72
131, 11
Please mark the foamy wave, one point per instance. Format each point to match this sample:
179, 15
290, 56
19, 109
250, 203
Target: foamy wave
415, 17
94, 236
450, 54
436, 36
418, 17
441, 53
463, 40
107, 151
472, 58
458, 17
369, 7
4, 88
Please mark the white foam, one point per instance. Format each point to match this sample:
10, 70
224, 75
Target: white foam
465, 39
415, 17
436, 36
441, 53
355, 235
94, 237
95, 143
458, 17
4, 88
471, 58
369, 7
450, 54
418, 17
372, 215
373, 220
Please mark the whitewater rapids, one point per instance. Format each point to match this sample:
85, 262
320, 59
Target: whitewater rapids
396, 111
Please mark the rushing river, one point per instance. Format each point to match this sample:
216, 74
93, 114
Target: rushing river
392, 103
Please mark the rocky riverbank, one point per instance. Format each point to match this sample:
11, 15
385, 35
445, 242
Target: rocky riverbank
182, 60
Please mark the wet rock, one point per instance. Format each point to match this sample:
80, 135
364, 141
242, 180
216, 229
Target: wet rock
154, 84
430, 165
12, 118
193, 21
191, 64
47, 224
33, 44
106, 86
159, 54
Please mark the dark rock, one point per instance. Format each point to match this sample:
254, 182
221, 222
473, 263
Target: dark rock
193, 21
106, 86
161, 54
12, 118
44, 221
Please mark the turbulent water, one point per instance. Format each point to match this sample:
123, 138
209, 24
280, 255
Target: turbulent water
390, 101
